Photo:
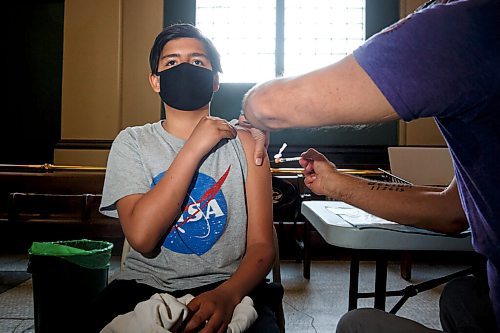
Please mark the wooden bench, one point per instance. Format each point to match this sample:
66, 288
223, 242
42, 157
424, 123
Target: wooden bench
44, 204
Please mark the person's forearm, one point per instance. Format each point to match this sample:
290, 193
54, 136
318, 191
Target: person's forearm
155, 212
423, 207
253, 269
260, 250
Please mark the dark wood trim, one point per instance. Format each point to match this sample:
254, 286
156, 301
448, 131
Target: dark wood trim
84, 144
356, 157
179, 11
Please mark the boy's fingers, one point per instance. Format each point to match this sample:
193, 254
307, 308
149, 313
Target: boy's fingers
194, 323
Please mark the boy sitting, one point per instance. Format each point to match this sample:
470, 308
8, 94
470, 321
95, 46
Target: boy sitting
193, 205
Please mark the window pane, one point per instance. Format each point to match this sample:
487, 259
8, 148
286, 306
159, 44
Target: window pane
244, 33
320, 32
317, 33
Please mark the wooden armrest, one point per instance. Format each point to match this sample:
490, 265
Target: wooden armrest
25, 206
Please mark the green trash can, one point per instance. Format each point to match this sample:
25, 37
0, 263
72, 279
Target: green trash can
67, 276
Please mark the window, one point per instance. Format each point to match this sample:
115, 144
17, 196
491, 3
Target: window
244, 32
261, 39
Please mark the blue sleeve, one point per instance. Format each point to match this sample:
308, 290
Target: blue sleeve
439, 62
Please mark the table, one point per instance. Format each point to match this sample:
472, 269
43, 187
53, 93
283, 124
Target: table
346, 226
288, 193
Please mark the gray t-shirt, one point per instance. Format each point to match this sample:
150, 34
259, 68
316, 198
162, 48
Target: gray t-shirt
208, 240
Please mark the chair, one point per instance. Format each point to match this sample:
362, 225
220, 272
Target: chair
280, 315
287, 197
276, 276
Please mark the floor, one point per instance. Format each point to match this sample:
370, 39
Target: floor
313, 305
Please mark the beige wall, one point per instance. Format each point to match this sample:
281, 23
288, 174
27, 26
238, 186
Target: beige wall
105, 72
420, 132
91, 69
144, 20
105, 75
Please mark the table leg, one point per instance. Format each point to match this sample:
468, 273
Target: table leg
307, 250
380, 282
353, 281
405, 265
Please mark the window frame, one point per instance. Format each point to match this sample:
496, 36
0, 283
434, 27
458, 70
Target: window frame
378, 15
227, 102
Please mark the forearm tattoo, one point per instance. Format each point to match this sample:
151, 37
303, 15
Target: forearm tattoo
396, 187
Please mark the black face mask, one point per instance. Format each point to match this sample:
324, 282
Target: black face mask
186, 87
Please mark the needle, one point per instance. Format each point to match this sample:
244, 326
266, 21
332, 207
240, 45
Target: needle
287, 159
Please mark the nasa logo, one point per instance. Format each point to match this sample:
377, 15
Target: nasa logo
203, 218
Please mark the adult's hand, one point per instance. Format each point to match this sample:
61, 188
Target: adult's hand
261, 139
317, 172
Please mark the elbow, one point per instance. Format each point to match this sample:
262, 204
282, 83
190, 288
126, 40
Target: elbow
452, 225
143, 245
455, 220
259, 107
448, 215
264, 255
457, 225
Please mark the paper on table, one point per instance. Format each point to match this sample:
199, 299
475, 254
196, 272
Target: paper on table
357, 217
360, 219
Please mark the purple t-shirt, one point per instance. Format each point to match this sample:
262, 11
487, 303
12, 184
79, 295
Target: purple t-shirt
444, 62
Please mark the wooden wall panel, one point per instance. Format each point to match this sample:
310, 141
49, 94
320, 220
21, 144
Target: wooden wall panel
420, 132
105, 73
142, 23
91, 69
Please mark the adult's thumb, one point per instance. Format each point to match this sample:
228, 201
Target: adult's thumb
259, 154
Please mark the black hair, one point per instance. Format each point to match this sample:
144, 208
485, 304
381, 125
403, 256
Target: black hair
182, 30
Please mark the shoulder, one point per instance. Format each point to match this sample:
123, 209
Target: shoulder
249, 143
246, 139
135, 133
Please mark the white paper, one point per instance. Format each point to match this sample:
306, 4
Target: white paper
358, 217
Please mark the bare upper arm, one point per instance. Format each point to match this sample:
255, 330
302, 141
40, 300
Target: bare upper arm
258, 193
339, 94
343, 93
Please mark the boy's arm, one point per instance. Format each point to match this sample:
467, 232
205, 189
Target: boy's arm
217, 305
260, 250
145, 218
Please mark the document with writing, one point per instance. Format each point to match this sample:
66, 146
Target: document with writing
356, 216
360, 219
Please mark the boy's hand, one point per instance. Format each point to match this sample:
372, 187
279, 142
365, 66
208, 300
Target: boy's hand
210, 312
209, 131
